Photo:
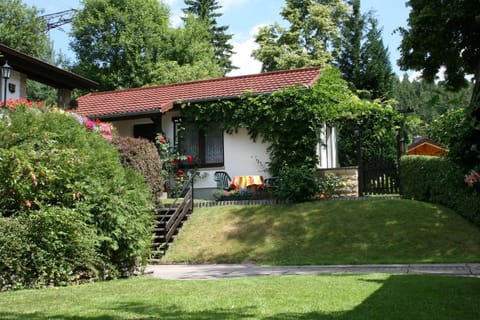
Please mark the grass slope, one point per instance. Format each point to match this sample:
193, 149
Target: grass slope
327, 232
281, 298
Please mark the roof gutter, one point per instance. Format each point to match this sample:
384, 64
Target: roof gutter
126, 116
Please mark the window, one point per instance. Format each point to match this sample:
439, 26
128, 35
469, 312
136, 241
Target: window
204, 145
144, 131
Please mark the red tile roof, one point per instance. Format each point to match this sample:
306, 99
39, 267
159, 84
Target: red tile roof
163, 98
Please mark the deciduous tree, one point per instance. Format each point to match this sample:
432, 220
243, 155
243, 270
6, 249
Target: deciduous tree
446, 33
309, 40
22, 28
125, 44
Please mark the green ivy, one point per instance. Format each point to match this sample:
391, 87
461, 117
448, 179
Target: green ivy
290, 120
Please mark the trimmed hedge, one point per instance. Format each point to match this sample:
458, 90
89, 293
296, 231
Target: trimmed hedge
142, 156
439, 180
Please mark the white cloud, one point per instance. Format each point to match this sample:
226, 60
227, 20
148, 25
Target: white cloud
417, 75
227, 4
243, 58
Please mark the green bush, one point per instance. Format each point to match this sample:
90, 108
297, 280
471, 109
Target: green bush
296, 184
441, 181
46, 247
48, 160
142, 156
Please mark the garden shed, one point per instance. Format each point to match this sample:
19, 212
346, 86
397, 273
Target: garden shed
426, 147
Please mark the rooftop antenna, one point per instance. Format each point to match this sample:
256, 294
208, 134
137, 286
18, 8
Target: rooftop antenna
58, 19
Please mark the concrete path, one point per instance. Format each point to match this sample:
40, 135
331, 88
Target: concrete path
217, 271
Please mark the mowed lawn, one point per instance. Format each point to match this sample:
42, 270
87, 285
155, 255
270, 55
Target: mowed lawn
327, 232
267, 298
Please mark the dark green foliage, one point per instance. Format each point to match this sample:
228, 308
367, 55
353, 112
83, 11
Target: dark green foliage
126, 44
428, 101
442, 34
445, 34
348, 60
118, 43
205, 10
363, 58
448, 130
51, 165
51, 246
376, 125
142, 156
376, 74
296, 183
441, 181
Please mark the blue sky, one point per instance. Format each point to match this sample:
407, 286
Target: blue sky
243, 18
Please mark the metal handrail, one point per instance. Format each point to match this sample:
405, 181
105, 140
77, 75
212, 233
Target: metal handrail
186, 187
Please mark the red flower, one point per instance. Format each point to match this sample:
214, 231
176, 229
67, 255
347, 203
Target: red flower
163, 140
190, 159
173, 161
180, 172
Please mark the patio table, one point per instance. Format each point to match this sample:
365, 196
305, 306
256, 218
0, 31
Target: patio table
243, 182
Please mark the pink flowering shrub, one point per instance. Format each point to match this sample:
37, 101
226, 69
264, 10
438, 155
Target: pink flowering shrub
104, 128
472, 178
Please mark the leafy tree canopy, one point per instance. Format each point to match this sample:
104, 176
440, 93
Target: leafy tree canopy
309, 40
22, 28
125, 44
442, 33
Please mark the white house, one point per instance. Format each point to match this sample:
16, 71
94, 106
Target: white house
25, 67
144, 112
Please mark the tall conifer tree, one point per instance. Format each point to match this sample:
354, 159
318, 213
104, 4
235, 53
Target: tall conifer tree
207, 11
363, 59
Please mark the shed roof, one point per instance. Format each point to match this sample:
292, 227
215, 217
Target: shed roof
44, 72
426, 146
158, 99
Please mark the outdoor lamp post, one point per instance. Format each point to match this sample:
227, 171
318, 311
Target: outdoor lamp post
6, 72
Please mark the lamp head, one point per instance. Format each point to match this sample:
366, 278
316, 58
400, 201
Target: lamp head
6, 71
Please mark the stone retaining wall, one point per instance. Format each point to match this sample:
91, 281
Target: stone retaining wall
349, 176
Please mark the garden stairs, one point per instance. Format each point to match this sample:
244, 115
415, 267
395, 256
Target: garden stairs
168, 222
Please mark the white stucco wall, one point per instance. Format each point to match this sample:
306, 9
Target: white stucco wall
16, 79
241, 155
